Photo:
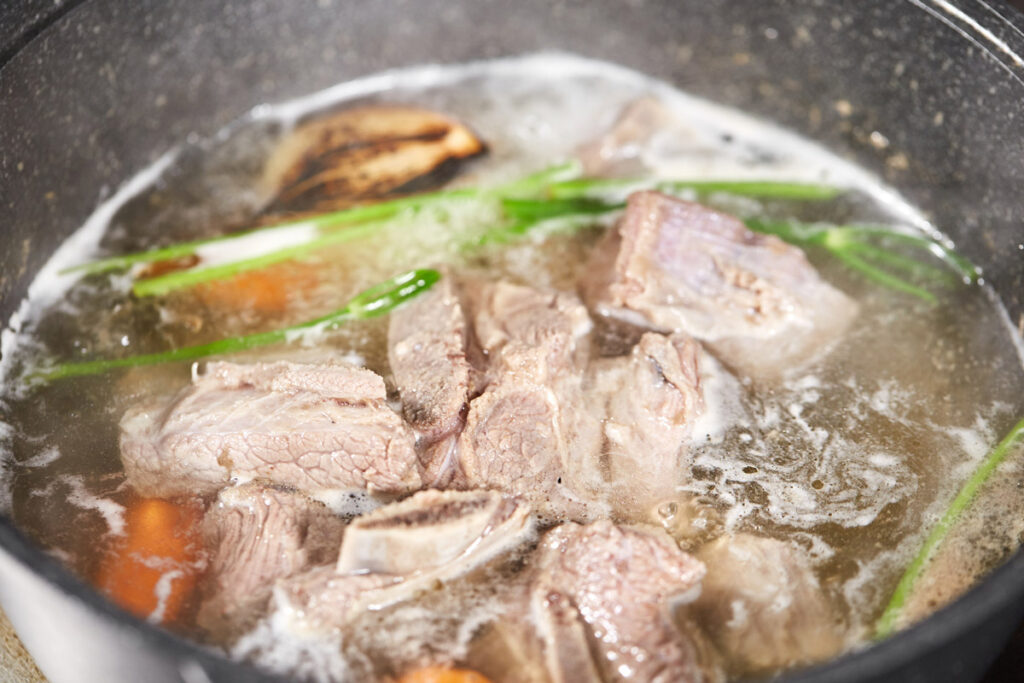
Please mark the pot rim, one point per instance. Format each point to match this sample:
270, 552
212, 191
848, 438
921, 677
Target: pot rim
999, 589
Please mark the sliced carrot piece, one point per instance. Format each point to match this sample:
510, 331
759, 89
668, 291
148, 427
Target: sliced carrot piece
267, 290
152, 570
440, 674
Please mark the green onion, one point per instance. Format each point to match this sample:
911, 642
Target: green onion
894, 610
370, 303
546, 226
163, 284
757, 189
561, 181
856, 246
860, 247
321, 222
537, 183
532, 210
526, 186
558, 198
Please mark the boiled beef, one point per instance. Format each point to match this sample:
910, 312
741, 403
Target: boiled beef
449, 534
647, 401
612, 589
257, 534
756, 301
428, 349
311, 427
763, 606
529, 432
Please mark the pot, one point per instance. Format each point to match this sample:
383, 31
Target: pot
98, 89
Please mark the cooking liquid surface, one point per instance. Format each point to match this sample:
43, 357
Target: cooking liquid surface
852, 458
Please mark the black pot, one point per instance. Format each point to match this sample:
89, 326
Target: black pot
101, 88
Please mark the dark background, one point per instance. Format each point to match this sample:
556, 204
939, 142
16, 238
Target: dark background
22, 20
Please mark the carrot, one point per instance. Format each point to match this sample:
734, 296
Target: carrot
152, 570
265, 291
440, 674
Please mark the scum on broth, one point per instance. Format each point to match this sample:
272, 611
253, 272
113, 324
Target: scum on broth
852, 459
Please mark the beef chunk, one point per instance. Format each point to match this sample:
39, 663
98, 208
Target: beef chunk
257, 534
509, 651
622, 582
679, 266
529, 432
323, 601
648, 401
564, 638
312, 427
762, 605
510, 318
450, 534
428, 350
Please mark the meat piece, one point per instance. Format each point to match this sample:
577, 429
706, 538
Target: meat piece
428, 343
312, 427
682, 267
565, 638
321, 600
623, 582
529, 432
648, 401
480, 525
257, 534
510, 318
763, 607
338, 381
509, 650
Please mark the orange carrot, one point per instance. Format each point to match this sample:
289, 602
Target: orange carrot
440, 674
153, 569
267, 290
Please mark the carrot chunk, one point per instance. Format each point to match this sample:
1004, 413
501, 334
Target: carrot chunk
152, 570
440, 674
268, 290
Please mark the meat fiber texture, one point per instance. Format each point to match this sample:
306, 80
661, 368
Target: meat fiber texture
312, 427
496, 379
763, 606
756, 301
647, 402
610, 590
443, 536
429, 349
529, 432
257, 534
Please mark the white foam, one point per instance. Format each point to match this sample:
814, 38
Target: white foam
80, 496
163, 589
723, 408
45, 457
814, 476
348, 503
280, 643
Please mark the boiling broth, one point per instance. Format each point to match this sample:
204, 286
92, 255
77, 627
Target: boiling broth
853, 457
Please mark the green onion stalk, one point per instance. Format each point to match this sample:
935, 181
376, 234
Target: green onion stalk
559, 198
893, 613
372, 302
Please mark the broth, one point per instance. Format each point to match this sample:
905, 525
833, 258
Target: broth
853, 458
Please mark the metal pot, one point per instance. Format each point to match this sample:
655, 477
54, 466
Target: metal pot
95, 94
